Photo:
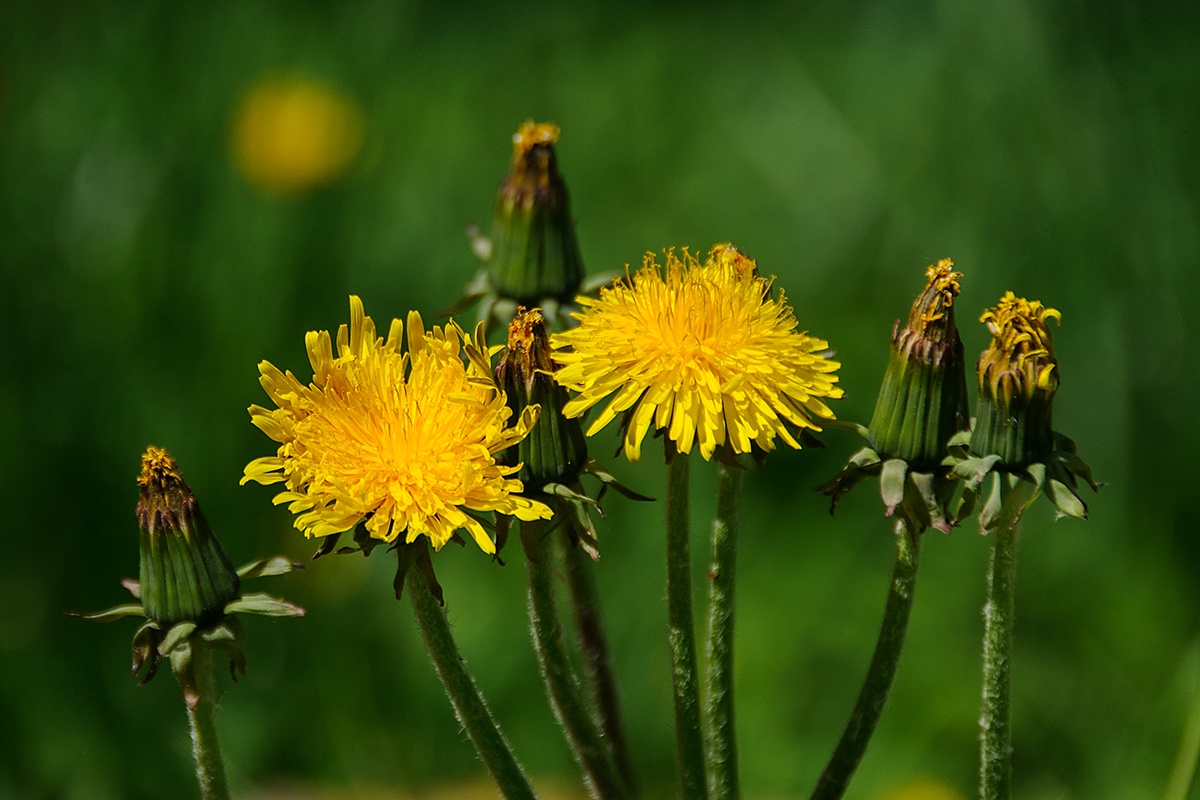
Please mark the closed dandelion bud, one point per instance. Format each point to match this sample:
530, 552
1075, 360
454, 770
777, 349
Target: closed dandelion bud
534, 254
185, 574
923, 399
1018, 376
555, 450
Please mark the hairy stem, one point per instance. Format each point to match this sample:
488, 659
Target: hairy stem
873, 695
563, 687
681, 634
201, 684
719, 697
995, 765
469, 706
585, 601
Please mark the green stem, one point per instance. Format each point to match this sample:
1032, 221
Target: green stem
719, 709
878, 683
562, 683
995, 770
195, 676
585, 600
469, 706
681, 633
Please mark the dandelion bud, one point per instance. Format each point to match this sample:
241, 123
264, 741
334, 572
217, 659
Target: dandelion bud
185, 574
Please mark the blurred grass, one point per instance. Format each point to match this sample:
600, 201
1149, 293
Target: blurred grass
1046, 148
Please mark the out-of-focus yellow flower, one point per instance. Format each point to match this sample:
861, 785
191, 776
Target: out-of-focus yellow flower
292, 135
702, 351
405, 442
925, 789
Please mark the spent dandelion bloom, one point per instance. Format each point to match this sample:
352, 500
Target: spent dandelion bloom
922, 404
534, 253
406, 442
700, 351
554, 456
187, 589
532, 256
292, 135
1012, 445
1018, 377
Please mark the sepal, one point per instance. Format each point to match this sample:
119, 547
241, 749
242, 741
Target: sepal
264, 605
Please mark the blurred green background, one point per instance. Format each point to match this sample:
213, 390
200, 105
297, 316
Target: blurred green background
1048, 148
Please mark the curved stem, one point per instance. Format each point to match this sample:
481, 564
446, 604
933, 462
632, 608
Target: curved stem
585, 600
878, 683
562, 684
195, 676
719, 707
995, 765
469, 706
681, 633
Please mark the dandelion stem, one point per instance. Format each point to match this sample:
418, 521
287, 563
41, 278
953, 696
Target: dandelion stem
719, 707
585, 601
562, 683
995, 768
195, 676
469, 706
689, 741
871, 698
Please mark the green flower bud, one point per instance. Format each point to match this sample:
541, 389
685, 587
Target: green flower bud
555, 450
923, 399
185, 574
534, 254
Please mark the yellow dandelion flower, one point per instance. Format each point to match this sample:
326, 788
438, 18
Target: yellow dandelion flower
702, 352
404, 442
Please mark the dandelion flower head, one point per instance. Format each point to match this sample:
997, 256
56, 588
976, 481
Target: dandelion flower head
702, 352
405, 442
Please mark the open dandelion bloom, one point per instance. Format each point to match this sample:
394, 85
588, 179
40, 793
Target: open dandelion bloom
406, 443
702, 352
